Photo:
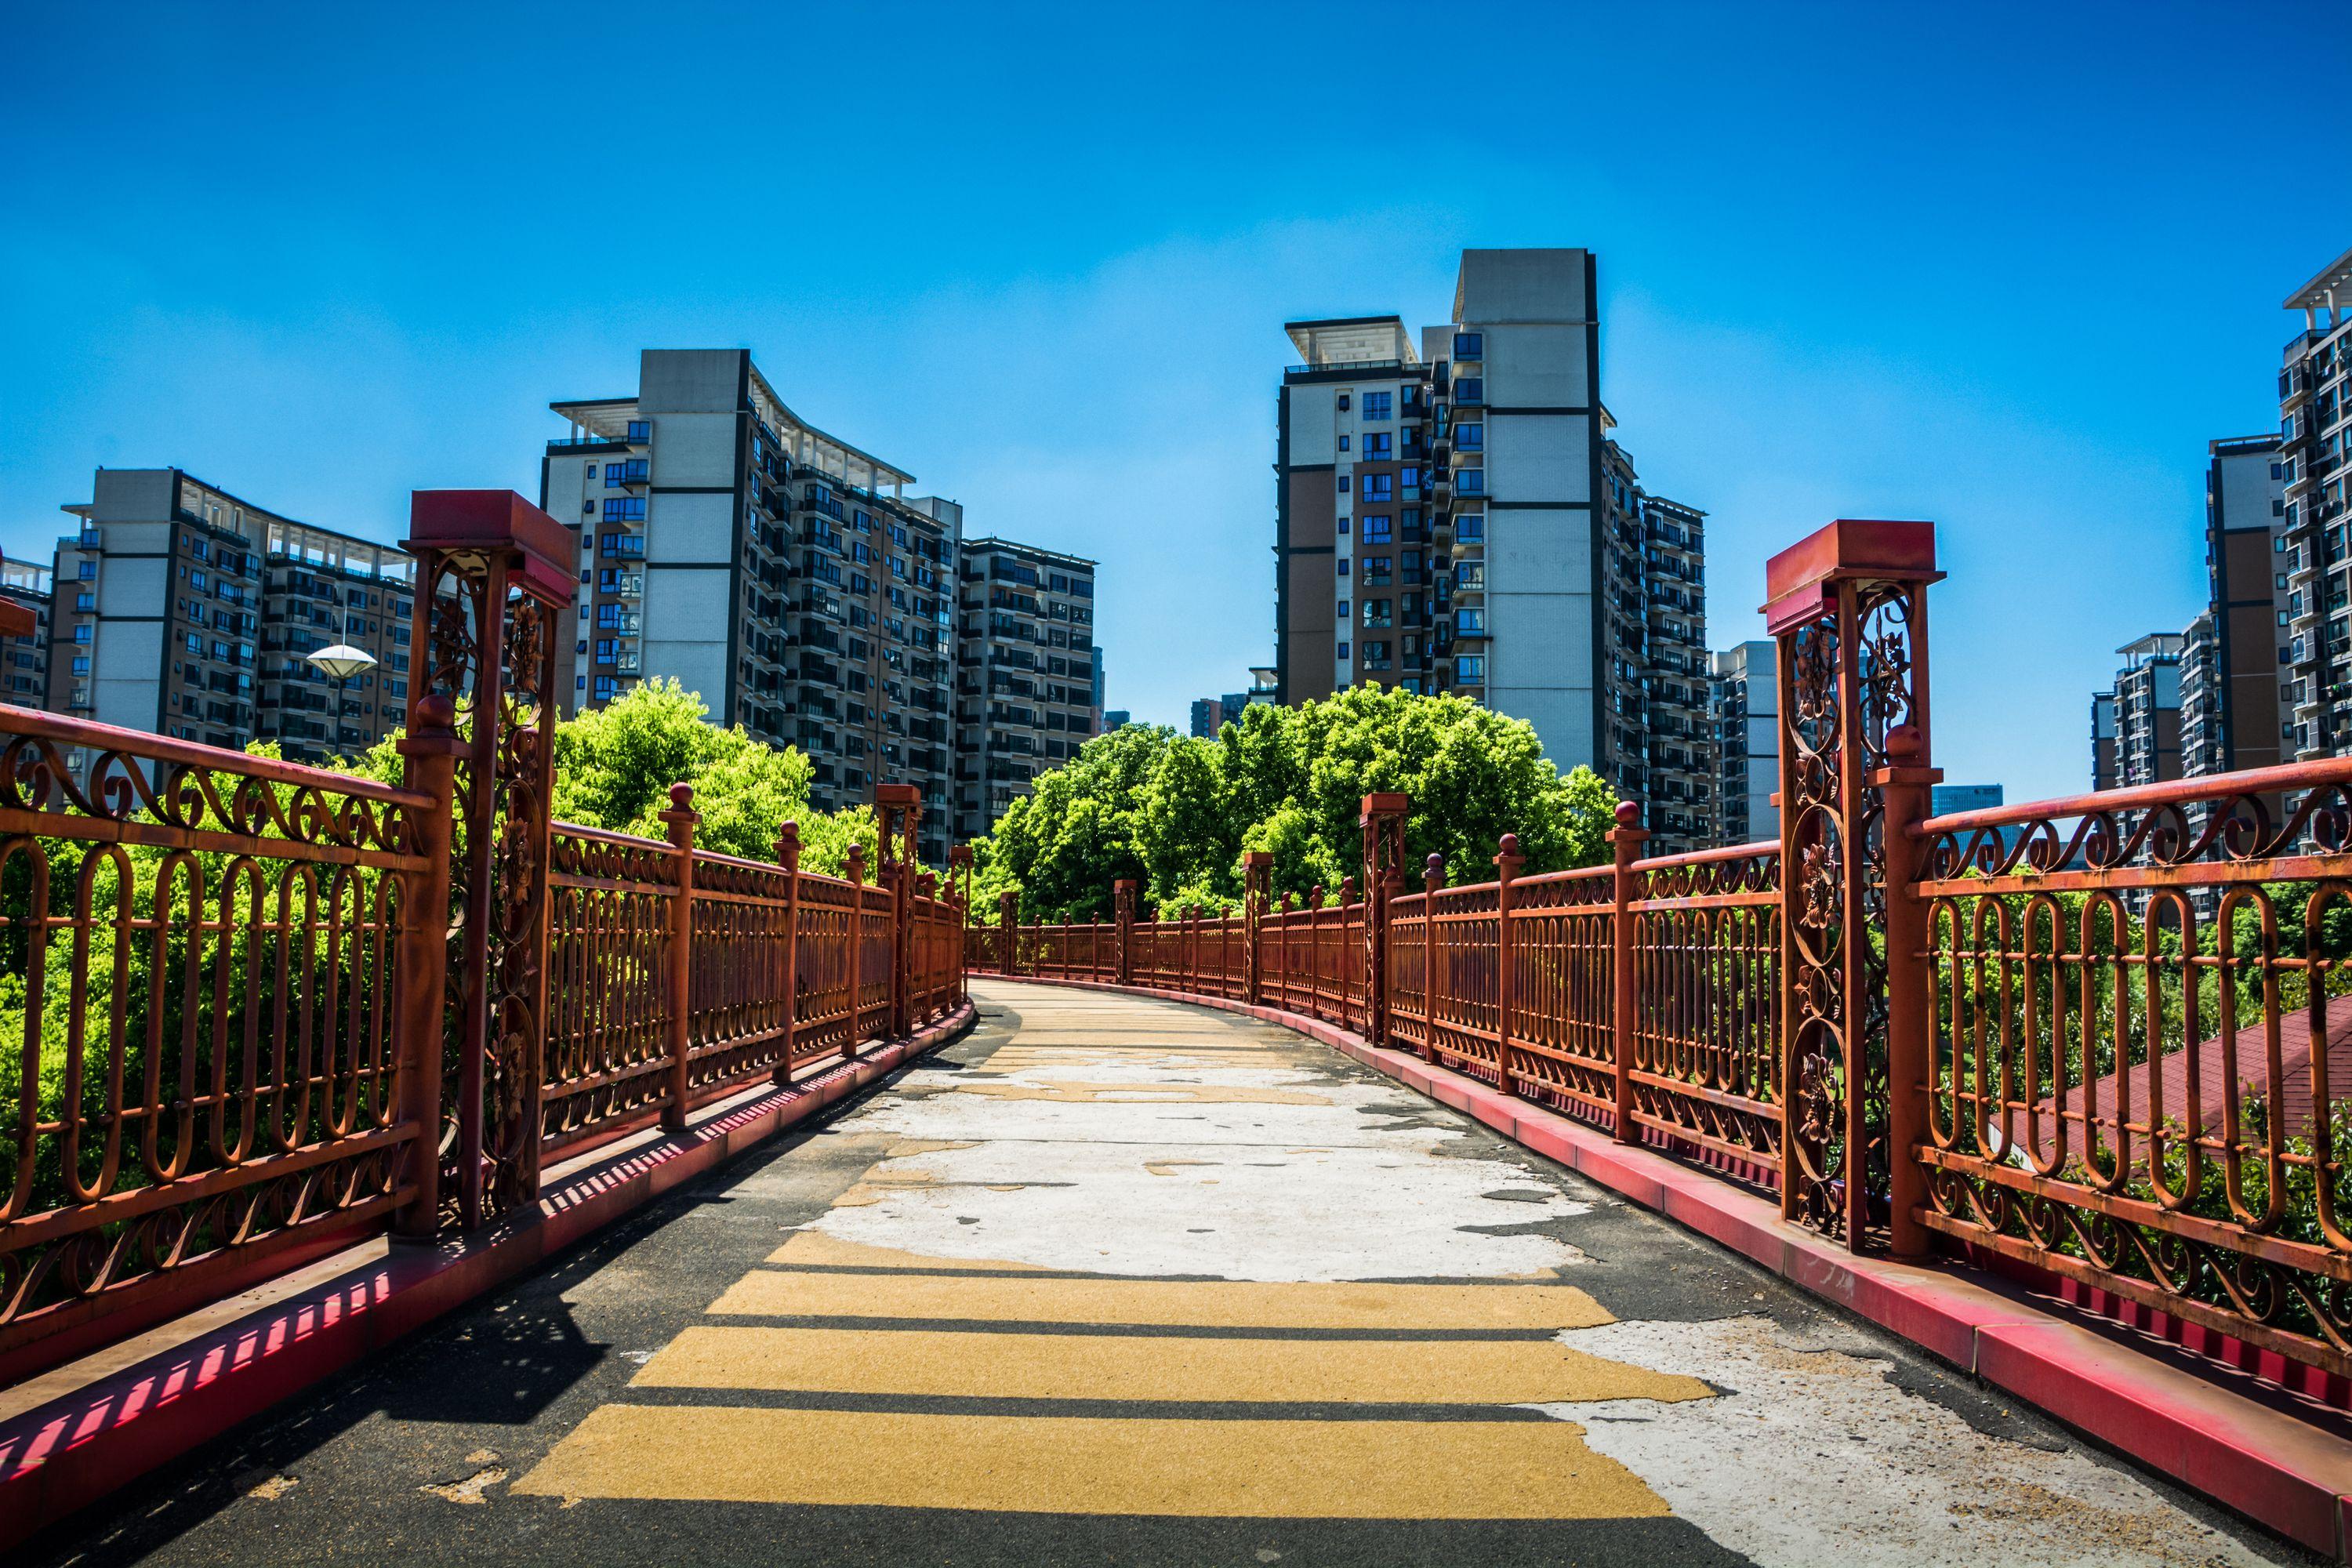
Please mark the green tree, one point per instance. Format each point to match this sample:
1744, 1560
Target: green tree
613, 767
1176, 814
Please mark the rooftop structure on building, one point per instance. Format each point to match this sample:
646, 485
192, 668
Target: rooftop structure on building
777, 570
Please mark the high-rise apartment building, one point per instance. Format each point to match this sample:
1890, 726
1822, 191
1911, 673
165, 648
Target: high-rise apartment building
185, 611
1744, 702
2106, 765
777, 571
1208, 718
1451, 515
2136, 735
1026, 697
2315, 389
25, 661
2239, 682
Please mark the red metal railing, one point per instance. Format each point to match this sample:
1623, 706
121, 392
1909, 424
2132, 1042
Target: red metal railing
207, 963
2139, 1056
2127, 1018
228, 981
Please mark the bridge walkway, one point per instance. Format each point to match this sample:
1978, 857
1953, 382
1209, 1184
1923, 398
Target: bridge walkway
1113, 1280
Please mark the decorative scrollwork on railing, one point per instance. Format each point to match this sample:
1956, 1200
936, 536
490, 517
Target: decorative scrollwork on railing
2093, 834
214, 795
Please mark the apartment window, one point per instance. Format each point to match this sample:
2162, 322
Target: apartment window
81, 635
1469, 345
88, 570
1471, 669
1470, 482
605, 648
606, 689
1470, 437
1343, 484
640, 431
1469, 390
1380, 446
85, 602
81, 664
1343, 528
1343, 650
1471, 620
1343, 442
1377, 486
1377, 404
624, 508
1376, 530
1343, 566
1343, 609
1343, 403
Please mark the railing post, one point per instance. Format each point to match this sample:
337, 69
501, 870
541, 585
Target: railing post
1507, 861
680, 819
1848, 606
1625, 839
430, 750
1257, 866
927, 891
788, 856
1282, 948
1122, 904
857, 948
493, 573
1382, 819
1315, 951
1907, 785
1349, 994
1007, 906
960, 883
899, 808
1433, 878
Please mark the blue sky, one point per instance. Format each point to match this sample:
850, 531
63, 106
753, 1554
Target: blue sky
2008, 269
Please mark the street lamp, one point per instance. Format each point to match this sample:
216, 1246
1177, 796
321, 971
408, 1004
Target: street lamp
339, 664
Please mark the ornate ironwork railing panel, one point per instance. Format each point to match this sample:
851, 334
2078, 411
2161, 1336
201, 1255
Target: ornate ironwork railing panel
1706, 1016
605, 1055
823, 982
1558, 1051
877, 956
1408, 970
199, 979
1465, 1015
2140, 1059
740, 997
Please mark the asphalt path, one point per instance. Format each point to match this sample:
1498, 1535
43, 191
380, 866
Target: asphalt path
1117, 1281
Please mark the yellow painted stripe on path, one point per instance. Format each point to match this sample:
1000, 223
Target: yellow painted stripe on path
1108, 1366
1210, 1304
1255, 1469
815, 1247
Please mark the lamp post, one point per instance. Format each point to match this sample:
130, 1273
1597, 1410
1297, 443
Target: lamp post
339, 663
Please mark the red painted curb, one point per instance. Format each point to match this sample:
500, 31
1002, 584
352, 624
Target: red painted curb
67, 1454
2287, 1474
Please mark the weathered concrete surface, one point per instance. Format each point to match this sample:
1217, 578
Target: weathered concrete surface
1115, 1280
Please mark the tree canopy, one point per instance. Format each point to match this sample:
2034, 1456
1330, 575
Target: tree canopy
613, 767
1176, 812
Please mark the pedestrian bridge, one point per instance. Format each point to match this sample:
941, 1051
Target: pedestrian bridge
1112, 1279
1339, 1213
